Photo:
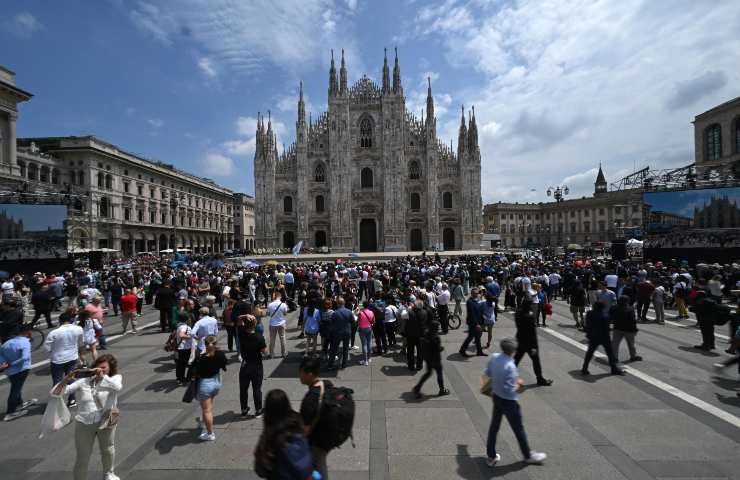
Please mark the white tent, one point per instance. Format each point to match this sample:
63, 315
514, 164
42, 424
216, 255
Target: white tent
166, 250
635, 242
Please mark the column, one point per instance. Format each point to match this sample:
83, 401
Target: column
11, 160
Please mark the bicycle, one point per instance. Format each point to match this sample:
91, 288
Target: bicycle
454, 321
38, 336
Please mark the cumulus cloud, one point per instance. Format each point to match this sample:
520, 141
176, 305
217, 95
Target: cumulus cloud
155, 122
218, 165
23, 25
156, 22
563, 86
689, 92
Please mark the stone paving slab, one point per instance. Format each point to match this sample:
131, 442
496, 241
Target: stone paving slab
430, 431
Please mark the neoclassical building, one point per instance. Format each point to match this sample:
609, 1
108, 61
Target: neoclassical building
367, 175
132, 204
717, 141
243, 221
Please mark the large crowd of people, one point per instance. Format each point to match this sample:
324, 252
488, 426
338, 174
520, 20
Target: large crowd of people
349, 312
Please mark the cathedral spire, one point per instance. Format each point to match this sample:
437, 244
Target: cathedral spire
430, 101
472, 132
397, 76
386, 74
462, 137
269, 123
600, 186
301, 106
343, 77
333, 89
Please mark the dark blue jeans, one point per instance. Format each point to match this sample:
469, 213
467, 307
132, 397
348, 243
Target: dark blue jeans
59, 370
509, 409
344, 340
15, 398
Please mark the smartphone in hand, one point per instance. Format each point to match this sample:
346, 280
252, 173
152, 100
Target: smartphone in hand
85, 372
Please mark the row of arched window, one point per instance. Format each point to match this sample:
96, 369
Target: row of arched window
35, 173
366, 176
320, 203
713, 140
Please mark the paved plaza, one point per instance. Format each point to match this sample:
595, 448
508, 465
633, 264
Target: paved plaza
671, 416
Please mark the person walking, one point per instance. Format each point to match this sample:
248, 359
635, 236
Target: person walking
64, 345
42, 302
208, 372
578, 299
97, 402
659, 296
282, 452
391, 321
526, 336
15, 362
90, 327
443, 308
96, 312
645, 290
315, 424
184, 347
252, 346
325, 328
622, 316
206, 326
458, 296
164, 301
705, 309
432, 352
474, 319
311, 326
128, 310
365, 323
341, 329
505, 385
488, 312
276, 310
414, 330
597, 333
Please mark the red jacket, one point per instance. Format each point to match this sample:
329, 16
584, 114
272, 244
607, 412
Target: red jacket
128, 303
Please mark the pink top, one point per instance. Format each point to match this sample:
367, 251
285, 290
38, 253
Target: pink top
365, 319
95, 312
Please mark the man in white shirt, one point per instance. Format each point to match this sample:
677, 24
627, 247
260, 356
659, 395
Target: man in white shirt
64, 344
277, 310
611, 282
8, 287
554, 285
390, 318
207, 325
443, 310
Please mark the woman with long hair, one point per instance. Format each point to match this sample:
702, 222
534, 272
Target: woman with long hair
96, 391
311, 325
282, 451
208, 373
488, 310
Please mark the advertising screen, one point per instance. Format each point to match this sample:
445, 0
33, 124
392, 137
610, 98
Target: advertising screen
33, 232
702, 224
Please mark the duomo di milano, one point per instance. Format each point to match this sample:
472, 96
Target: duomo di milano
367, 175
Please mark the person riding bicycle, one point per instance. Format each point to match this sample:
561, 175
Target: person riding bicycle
11, 317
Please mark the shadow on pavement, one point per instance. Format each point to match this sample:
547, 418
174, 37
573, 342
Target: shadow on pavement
165, 386
177, 438
703, 353
475, 468
397, 371
577, 375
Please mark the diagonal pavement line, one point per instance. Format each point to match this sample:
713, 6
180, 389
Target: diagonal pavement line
670, 389
42, 363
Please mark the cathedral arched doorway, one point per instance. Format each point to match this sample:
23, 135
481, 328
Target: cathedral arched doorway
416, 242
448, 239
320, 239
288, 240
368, 235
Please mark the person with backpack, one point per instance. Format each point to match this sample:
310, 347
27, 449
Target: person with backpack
311, 324
182, 341
681, 295
431, 348
282, 452
327, 411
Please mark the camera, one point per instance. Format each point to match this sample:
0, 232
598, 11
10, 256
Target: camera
85, 372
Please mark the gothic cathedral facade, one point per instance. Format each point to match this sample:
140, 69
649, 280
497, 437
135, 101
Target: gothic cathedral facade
367, 175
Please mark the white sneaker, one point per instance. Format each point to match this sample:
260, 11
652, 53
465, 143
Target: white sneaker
14, 415
718, 366
363, 362
355, 347
491, 462
28, 403
536, 457
207, 437
111, 476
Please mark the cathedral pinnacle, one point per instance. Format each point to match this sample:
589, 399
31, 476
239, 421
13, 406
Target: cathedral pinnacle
430, 101
343, 77
333, 87
386, 74
397, 75
462, 137
301, 106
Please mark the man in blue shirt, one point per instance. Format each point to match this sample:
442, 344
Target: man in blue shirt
474, 319
505, 383
341, 330
493, 289
15, 362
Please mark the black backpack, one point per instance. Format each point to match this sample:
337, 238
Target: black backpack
171, 344
338, 414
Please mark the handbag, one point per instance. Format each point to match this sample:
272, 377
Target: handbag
110, 416
486, 388
190, 392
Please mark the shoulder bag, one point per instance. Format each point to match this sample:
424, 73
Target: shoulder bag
110, 416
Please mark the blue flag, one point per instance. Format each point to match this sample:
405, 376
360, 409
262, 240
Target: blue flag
297, 248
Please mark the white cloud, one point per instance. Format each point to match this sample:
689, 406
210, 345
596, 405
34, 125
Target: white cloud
23, 25
218, 165
244, 36
206, 66
130, 111
157, 23
566, 85
352, 4
155, 122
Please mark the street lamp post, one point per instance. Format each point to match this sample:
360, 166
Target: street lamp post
559, 192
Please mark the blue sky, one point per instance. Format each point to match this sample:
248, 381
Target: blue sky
558, 86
